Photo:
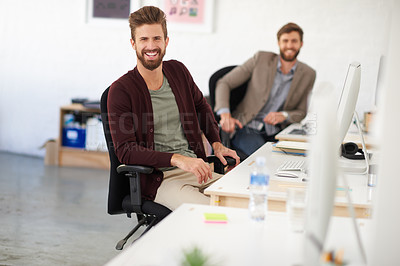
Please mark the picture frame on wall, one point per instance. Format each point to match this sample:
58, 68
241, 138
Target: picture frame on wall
110, 12
189, 15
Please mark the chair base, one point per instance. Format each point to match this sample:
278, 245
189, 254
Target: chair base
145, 220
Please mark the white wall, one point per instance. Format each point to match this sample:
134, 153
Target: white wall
48, 54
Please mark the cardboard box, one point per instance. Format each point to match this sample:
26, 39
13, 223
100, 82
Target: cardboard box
51, 156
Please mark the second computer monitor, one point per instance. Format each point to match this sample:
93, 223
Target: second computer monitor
348, 99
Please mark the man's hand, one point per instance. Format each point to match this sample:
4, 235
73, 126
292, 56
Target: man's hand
193, 165
220, 151
274, 118
228, 123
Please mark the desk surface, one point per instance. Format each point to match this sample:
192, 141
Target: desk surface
240, 241
233, 188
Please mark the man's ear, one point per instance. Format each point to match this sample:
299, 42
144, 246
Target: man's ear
166, 42
133, 44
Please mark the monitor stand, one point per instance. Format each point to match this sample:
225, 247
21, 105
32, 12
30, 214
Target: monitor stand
353, 166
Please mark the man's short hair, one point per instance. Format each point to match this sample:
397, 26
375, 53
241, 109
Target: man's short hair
147, 15
289, 28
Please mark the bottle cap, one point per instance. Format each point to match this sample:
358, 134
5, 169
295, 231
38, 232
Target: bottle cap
260, 161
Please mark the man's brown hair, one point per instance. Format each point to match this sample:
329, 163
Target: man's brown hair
289, 28
147, 15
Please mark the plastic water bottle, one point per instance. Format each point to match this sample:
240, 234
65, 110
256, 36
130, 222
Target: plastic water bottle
69, 120
259, 181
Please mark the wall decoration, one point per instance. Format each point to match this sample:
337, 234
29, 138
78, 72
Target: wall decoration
189, 15
110, 12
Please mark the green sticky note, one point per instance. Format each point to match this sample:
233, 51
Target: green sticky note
215, 218
343, 189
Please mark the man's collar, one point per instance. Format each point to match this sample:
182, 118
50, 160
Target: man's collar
280, 64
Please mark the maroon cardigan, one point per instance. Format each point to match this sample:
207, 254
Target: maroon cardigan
131, 121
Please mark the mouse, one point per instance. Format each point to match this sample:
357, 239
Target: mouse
290, 174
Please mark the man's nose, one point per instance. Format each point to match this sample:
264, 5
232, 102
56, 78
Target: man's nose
290, 45
151, 45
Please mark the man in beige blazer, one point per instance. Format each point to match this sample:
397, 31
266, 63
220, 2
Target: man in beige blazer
277, 92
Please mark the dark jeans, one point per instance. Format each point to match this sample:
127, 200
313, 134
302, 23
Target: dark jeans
248, 140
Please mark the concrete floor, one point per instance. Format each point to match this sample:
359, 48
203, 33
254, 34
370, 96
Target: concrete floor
56, 215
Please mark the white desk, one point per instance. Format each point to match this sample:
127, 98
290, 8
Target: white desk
238, 242
232, 189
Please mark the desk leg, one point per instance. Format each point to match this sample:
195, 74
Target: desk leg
214, 200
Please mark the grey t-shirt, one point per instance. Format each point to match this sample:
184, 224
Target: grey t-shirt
168, 132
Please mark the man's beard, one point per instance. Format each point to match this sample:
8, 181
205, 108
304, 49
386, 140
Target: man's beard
151, 64
289, 59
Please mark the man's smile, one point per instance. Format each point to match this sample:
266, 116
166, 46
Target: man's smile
290, 51
151, 54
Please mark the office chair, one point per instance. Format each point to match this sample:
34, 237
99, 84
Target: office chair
124, 194
235, 98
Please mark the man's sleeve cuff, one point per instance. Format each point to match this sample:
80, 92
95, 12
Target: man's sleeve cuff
223, 111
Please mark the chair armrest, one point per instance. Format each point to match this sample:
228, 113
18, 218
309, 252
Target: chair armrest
134, 168
133, 172
225, 137
218, 166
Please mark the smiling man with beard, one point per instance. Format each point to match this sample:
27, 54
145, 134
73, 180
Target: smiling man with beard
157, 116
277, 92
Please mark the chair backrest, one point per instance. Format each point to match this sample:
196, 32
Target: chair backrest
236, 95
118, 184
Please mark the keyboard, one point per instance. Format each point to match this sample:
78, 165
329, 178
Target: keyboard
293, 166
309, 128
297, 131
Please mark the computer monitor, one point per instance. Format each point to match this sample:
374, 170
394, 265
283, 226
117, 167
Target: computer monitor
348, 99
323, 161
323, 169
345, 113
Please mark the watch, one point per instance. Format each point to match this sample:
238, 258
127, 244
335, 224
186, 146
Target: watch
285, 114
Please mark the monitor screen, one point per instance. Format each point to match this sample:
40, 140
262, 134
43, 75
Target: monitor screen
348, 99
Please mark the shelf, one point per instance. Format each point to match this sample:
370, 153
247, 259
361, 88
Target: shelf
79, 157
83, 158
